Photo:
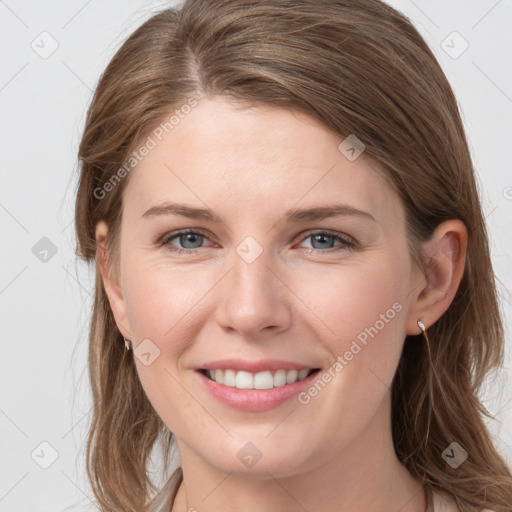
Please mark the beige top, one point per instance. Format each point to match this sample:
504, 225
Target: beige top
163, 501
443, 503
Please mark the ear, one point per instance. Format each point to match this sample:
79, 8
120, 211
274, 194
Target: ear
433, 291
110, 281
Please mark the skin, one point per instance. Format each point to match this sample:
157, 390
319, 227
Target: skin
250, 166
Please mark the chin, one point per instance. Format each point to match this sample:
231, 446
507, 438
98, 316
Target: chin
260, 458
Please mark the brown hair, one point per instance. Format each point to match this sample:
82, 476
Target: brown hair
360, 67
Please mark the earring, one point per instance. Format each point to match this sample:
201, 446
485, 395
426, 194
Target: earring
127, 344
421, 325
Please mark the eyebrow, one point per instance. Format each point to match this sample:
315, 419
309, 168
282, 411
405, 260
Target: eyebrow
293, 215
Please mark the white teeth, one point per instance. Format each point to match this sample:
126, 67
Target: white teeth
280, 378
291, 376
229, 378
244, 380
260, 380
303, 374
219, 377
263, 380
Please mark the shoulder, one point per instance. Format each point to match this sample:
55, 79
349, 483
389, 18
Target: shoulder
444, 503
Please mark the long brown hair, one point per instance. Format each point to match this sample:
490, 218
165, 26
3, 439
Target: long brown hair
360, 67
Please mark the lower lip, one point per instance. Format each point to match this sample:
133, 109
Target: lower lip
254, 399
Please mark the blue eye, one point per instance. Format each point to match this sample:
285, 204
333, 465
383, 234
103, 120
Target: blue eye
187, 237
192, 240
321, 237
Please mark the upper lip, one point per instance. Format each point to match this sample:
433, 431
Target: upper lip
254, 366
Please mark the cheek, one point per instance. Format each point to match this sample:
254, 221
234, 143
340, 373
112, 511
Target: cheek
162, 306
361, 309
161, 299
362, 315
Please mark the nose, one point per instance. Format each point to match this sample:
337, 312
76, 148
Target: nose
254, 300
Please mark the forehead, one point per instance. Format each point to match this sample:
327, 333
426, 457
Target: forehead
225, 153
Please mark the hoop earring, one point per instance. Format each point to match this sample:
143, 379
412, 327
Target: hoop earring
421, 325
127, 344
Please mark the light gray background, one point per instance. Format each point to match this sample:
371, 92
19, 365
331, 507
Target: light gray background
45, 305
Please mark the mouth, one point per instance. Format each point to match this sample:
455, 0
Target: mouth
266, 379
255, 385
257, 391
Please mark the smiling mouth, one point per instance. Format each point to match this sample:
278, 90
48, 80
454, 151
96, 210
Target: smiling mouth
267, 379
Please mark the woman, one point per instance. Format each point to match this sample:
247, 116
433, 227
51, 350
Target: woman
291, 375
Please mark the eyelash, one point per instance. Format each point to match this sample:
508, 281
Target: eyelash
346, 243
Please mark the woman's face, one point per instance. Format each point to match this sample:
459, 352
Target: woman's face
266, 285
